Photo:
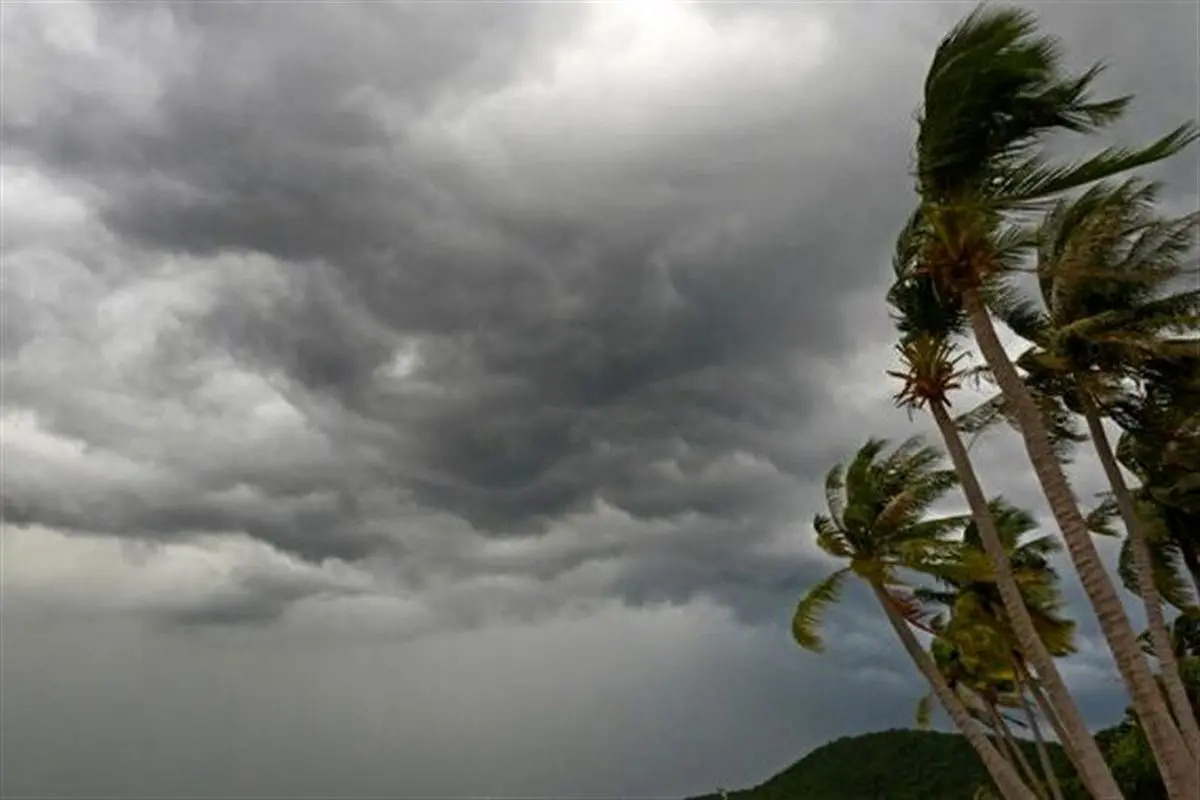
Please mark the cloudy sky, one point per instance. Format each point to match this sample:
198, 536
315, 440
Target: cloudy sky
428, 399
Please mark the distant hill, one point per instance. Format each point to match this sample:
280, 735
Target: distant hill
889, 765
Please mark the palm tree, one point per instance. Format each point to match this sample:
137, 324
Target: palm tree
1161, 447
1038, 739
931, 371
1126, 743
994, 91
987, 687
975, 624
1185, 638
1184, 641
1105, 265
1169, 535
1165, 458
877, 522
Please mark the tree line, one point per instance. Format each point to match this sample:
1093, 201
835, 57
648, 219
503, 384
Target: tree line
1079, 261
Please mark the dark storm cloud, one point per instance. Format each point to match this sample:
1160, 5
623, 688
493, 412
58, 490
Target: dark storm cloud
255, 599
487, 312
502, 282
628, 317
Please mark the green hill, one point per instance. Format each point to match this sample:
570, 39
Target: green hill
888, 765
912, 765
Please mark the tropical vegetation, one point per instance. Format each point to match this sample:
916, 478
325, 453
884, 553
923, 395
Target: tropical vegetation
931, 765
1076, 260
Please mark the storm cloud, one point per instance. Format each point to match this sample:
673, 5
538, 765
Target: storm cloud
423, 325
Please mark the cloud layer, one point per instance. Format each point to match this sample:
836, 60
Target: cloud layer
417, 322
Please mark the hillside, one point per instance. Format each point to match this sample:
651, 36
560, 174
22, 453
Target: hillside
888, 765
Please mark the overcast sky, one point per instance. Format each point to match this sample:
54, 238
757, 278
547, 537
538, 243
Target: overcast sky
428, 399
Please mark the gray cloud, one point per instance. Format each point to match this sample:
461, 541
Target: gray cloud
437, 317
635, 320
643, 703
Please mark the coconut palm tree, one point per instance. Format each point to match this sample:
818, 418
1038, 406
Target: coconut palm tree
969, 591
975, 622
1163, 454
931, 370
1039, 740
878, 524
1161, 447
1106, 264
988, 687
1173, 536
995, 89
1185, 638
1168, 535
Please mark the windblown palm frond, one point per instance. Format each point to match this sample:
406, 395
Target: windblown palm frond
971, 599
1060, 422
995, 89
806, 621
878, 525
1168, 573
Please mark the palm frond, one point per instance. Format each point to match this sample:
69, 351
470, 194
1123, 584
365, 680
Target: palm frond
1060, 422
934, 530
835, 486
1101, 519
924, 714
1020, 313
831, 537
1167, 569
995, 87
1162, 244
1023, 184
860, 466
977, 421
806, 621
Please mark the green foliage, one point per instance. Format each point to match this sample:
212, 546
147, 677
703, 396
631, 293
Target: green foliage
889, 765
929, 765
807, 619
877, 522
1133, 764
1112, 333
1161, 447
995, 90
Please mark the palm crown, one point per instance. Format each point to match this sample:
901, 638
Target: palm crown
877, 521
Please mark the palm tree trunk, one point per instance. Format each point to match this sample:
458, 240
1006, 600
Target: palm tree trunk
1043, 753
1080, 743
1181, 773
1043, 702
1002, 742
1040, 743
1003, 773
1160, 638
1014, 747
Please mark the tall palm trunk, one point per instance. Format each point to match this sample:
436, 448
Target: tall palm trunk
1039, 742
1014, 748
1180, 772
1039, 696
1080, 743
1160, 637
1043, 704
1003, 773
